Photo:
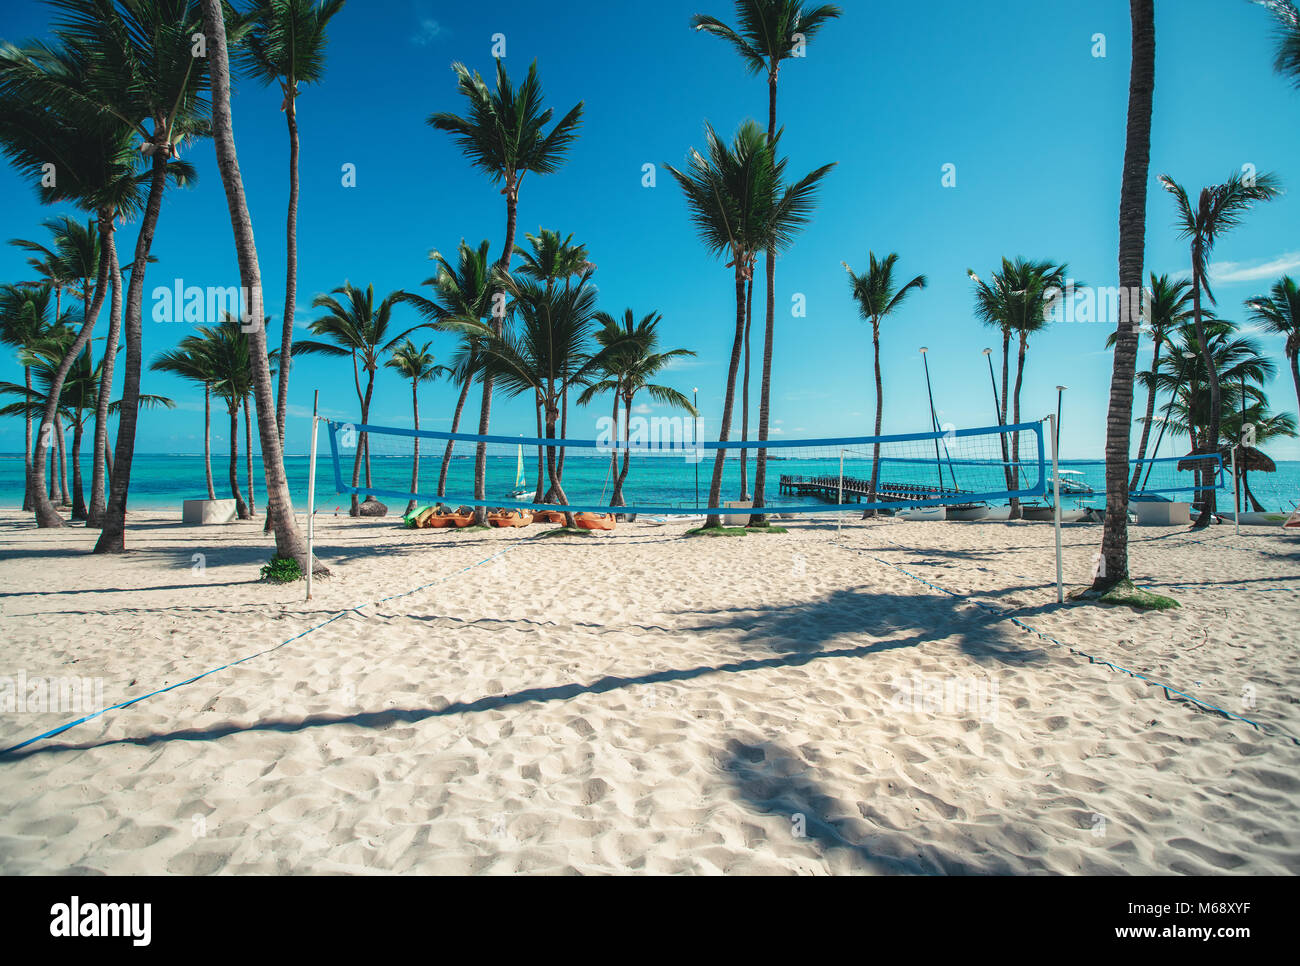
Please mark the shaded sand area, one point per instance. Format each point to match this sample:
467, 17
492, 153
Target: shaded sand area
643, 702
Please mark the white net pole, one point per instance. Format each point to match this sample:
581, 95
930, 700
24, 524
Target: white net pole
1236, 495
839, 498
1056, 512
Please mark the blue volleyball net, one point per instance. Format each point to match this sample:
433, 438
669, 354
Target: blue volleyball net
665, 472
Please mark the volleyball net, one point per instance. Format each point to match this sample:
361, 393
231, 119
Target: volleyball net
666, 472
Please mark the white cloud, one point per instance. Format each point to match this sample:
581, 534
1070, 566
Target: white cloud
427, 32
1228, 273
641, 409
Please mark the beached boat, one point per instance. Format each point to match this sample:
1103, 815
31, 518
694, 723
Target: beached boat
923, 513
548, 516
510, 518
970, 513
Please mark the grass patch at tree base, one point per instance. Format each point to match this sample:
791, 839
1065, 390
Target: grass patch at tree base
768, 528
566, 531
717, 532
1128, 594
472, 528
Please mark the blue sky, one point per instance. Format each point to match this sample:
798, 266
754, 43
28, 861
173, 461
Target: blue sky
1009, 92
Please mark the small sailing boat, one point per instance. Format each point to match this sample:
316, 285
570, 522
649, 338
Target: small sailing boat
521, 486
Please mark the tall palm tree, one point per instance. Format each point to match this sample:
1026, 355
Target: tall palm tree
1219, 208
546, 356
1019, 301
551, 260
740, 207
630, 361
767, 33
25, 322
224, 352
358, 329
1279, 313
1166, 308
133, 66
1132, 240
462, 293
285, 43
417, 364
1287, 60
191, 362
503, 136
878, 298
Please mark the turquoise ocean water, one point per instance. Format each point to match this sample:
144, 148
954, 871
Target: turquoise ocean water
161, 481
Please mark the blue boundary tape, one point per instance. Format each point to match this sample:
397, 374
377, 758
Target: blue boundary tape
1092, 659
126, 704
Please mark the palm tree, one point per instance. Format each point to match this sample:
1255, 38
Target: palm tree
359, 329
224, 352
25, 323
191, 362
288, 539
551, 260
1287, 60
1019, 300
417, 364
1218, 209
546, 356
767, 33
1279, 313
462, 293
503, 136
1166, 308
878, 298
740, 207
630, 362
285, 44
1265, 426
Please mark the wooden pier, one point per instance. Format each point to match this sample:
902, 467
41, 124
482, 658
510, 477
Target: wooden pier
856, 490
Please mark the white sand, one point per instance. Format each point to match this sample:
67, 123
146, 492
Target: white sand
643, 702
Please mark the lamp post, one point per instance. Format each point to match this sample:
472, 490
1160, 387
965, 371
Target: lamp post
696, 394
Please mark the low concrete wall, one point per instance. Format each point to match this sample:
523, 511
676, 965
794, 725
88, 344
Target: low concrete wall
200, 512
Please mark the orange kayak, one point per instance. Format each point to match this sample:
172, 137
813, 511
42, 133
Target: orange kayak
548, 516
594, 521
510, 518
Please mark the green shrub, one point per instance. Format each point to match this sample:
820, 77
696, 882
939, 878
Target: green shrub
282, 570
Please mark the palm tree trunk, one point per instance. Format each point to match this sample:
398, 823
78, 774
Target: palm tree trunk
1151, 411
1132, 239
485, 412
455, 426
207, 439
63, 462
112, 538
46, 515
365, 437
880, 406
728, 401
288, 541
78, 494
627, 450
98, 480
765, 386
28, 503
415, 466
541, 454
291, 264
1209, 504
1016, 512
54, 475
564, 429
248, 457
241, 508
1295, 375
1006, 387
744, 392
552, 465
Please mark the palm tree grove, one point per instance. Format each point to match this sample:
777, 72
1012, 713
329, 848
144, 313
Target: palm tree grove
442, 439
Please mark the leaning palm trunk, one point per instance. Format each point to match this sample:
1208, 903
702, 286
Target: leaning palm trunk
744, 393
541, 455
880, 404
455, 426
288, 541
241, 508
112, 538
729, 399
553, 468
1132, 237
1146, 423
1295, 373
28, 503
98, 483
46, 515
619, 499
63, 461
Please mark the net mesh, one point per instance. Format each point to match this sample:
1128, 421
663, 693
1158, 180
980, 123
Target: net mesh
666, 473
